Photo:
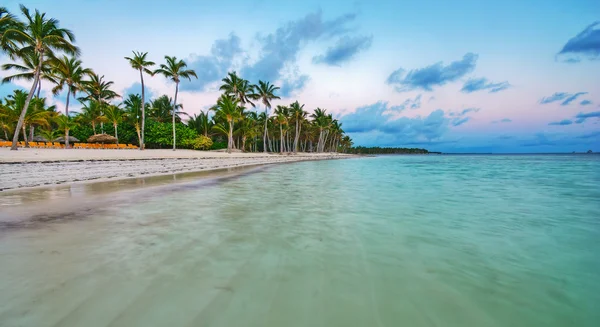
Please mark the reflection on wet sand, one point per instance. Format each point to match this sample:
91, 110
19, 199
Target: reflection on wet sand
27, 207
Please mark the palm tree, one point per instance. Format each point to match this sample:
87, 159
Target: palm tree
134, 113
228, 108
98, 90
68, 72
8, 21
32, 116
174, 70
42, 36
162, 111
266, 92
91, 113
281, 118
65, 123
26, 70
7, 118
321, 121
139, 63
298, 114
38, 114
201, 123
114, 114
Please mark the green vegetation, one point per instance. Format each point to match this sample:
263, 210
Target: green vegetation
378, 150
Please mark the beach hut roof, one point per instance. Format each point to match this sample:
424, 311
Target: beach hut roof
39, 139
62, 139
102, 138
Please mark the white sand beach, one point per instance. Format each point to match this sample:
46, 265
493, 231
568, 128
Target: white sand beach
38, 167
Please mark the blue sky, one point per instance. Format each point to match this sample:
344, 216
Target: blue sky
459, 76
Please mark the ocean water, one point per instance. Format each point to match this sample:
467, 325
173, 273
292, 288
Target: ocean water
384, 241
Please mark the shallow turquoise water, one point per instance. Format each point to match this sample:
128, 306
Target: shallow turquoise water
383, 241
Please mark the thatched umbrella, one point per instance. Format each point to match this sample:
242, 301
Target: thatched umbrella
102, 138
72, 139
40, 139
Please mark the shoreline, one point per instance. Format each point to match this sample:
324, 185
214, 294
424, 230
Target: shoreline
29, 169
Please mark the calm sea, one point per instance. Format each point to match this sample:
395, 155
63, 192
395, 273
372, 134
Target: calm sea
435, 240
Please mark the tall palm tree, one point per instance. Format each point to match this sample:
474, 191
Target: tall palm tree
174, 70
67, 71
139, 63
133, 113
298, 114
265, 93
228, 108
114, 114
65, 123
43, 37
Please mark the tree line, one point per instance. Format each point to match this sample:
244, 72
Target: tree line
386, 150
43, 52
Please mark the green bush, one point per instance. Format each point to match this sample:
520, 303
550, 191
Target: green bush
201, 142
218, 145
160, 135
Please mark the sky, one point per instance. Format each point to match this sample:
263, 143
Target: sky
513, 76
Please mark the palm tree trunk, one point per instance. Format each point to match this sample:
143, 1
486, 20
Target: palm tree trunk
116, 132
67, 104
94, 127
174, 109
66, 138
31, 132
243, 148
265, 135
5, 134
320, 138
39, 88
296, 137
142, 144
137, 130
230, 137
25, 136
280, 139
36, 78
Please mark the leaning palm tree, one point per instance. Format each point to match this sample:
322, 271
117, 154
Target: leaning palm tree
298, 114
266, 92
139, 63
228, 108
43, 37
114, 114
174, 70
67, 71
65, 123
133, 113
